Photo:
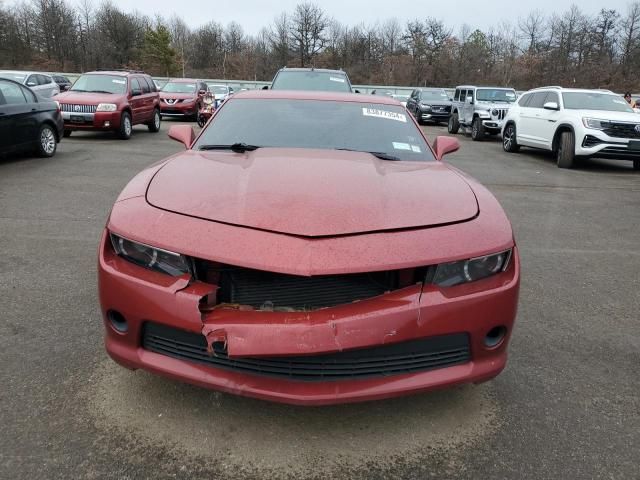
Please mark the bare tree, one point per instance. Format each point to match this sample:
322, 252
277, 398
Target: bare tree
308, 31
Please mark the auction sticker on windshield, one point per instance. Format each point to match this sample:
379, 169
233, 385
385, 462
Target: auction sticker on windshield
374, 112
336, 79
120, 82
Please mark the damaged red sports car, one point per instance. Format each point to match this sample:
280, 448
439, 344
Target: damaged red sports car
309, 248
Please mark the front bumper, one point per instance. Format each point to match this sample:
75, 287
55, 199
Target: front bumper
434, 115
179, 109
91, 121
598, 144
141, 295
493, 124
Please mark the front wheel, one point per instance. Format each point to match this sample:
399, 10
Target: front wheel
454, 125
154, 126
566, 153
201, 120
47, 142
509, 143
125, 126
477, 129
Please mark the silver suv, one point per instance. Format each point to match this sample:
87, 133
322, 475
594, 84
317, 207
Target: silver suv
40, 83
480, 109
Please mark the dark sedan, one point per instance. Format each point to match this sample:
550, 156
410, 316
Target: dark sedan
28, 122
429, 104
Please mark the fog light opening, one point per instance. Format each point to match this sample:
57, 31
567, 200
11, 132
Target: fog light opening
117, 321
495, 336
107, 124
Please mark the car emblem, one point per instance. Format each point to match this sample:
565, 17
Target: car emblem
76, 108
637, 129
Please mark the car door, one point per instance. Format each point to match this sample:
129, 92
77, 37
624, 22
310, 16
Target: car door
147, 101
411, 102
546, 121
49, 87
469, 101
32, 82
136, 101
531, 126
19, 115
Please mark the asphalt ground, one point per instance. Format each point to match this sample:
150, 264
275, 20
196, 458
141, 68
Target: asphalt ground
567, 406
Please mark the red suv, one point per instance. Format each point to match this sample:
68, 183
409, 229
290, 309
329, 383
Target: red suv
113, 100
182, 97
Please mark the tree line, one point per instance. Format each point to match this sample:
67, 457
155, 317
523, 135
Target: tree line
572, 48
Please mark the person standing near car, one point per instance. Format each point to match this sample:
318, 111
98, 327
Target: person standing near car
627, 97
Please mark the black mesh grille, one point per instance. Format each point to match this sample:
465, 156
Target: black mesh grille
590, 141
622, 130
405, 357
269, 290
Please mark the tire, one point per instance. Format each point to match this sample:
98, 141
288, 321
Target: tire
154, 126
509, 139
201, 120
418, 117
477, 130
636, 165
453, 126
66, 133
566, 151
126, 127
47, 141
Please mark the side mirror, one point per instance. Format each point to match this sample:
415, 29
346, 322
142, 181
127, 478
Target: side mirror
356, 91
136, 92
551, 106
469, 100
31, 84
183, 134
201, 92
444, 145
266, 87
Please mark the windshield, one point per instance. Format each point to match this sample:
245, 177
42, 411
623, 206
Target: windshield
18, 77
595, 101
179, 87
218, 89
311, 80
317, 124
435, 95
495, 95
101, 84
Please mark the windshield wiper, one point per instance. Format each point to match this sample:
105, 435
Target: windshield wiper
380, 155
99, 91
77, 90
238, 147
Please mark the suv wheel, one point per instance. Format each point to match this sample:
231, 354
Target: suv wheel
47, 142
477, 129
453, 125
125, 126
509, 143
566, 152
154, 126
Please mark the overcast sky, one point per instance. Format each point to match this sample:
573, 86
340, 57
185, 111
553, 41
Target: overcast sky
255, 14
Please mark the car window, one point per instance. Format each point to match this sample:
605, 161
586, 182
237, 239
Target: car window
100, 83
552, 97
179, 87
135, 85
150, 83
312, 80
11, 94
288, 123
524, 99
537, 100
595, 101
32, 81
144, 85
495, 95
439, 95
43, 79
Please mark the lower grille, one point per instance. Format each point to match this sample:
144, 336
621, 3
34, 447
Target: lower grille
395, 359
590, 141
74, 108
622, 130
619, 152
276, 291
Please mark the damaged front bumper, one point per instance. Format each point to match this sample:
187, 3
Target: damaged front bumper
143, 297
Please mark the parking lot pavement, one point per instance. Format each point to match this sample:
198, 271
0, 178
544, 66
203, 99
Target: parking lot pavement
567, 406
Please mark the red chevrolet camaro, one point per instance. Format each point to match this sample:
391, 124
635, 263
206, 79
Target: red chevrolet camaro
309, 248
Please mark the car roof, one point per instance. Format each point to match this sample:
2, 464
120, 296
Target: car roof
315, 95
113, 72
322, 70
183, 80
577, 90
22, 72
485, 86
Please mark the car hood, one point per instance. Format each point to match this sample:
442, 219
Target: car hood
178, 96
87, 98
312, 193
610, 115
438, 103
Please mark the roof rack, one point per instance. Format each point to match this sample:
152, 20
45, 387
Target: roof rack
556, 87
124, 70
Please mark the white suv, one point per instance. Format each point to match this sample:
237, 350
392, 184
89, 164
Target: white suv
574, 124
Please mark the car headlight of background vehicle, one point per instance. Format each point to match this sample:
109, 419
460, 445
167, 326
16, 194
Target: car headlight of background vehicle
464, 271
595, 123
156, 259
425, 106
106, 107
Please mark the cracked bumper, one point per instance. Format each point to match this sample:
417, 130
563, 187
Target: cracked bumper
414, 312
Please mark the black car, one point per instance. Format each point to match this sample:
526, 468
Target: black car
430, 104
311, 79
63, 82
28, 122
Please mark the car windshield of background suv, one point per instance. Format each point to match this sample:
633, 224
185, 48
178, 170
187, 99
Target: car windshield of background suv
318, 81
17, 77
179, 87
100, 84
218, 90
595, 101
385, 130
434, 95
495, 95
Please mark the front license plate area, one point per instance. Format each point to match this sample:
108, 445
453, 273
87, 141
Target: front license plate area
634, 145
77, 119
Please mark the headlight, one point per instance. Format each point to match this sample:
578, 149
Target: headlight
425, 106
106, 107
595, 123
154, 258
494, 112
455, 273
188, 100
